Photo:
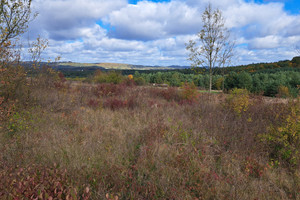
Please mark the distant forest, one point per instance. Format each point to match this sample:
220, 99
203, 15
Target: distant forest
262, 78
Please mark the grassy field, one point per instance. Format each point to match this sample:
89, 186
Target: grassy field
106, 141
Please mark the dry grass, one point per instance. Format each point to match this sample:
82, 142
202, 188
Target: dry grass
145, 143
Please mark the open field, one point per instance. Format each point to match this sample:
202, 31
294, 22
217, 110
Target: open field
121, 141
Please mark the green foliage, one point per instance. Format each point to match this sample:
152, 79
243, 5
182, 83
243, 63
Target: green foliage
139, 80
219, 83
283, 141
19, 122
271, 89
108, 77
296, 60
231, 81
244, 81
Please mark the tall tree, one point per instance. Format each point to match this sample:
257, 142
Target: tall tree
212, 47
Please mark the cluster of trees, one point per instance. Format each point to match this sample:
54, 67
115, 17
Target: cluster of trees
260, 83
265, 83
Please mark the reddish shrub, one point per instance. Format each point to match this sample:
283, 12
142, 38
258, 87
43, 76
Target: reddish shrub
129, 82
93, 103
114, 103
37, 182
189, 92
108, 89
132, 102
252, 168
169, 94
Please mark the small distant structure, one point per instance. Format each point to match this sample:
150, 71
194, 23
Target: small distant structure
160, 85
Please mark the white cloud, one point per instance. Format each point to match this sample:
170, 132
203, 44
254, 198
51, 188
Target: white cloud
150, 21
155, 33
61, 18
268, 42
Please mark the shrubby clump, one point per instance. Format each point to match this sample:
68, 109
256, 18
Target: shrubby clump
238, 101
108, 77
283, 142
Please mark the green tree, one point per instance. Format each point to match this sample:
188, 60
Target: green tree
231, 81
244, 81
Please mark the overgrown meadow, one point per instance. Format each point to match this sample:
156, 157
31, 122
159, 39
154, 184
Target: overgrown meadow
73, 140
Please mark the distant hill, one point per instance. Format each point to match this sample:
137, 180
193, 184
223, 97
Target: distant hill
293, 64
115, 66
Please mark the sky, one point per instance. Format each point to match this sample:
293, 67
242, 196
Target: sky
155, 32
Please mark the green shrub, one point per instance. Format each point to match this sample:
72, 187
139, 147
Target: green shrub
139, 80
19, 121
109, 77
271, 89
283, 142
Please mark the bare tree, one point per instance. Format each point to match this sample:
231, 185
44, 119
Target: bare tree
36, 48
212, 47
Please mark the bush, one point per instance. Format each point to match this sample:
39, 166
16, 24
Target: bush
139, 81
109, 77
189, 92
13, 83
238, 101
170, 94
37, 182
283, 92
115, 104
283, 142
108, 89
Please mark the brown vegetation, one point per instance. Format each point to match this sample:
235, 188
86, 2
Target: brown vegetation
106, 141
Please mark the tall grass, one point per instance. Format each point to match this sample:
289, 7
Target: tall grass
105, 141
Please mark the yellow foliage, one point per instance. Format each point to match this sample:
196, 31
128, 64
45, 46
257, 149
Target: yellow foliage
130, 76
283, 91
219, 83
284, 141
238, 100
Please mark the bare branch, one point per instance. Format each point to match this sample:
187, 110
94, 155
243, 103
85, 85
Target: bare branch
14, 18
213, 47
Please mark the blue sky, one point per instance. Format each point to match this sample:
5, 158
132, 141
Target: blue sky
155, 33
291, 6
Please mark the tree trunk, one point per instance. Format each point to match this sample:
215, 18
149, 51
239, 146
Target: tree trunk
210, 76
223, 76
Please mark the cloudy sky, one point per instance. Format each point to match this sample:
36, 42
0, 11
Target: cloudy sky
155, 32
